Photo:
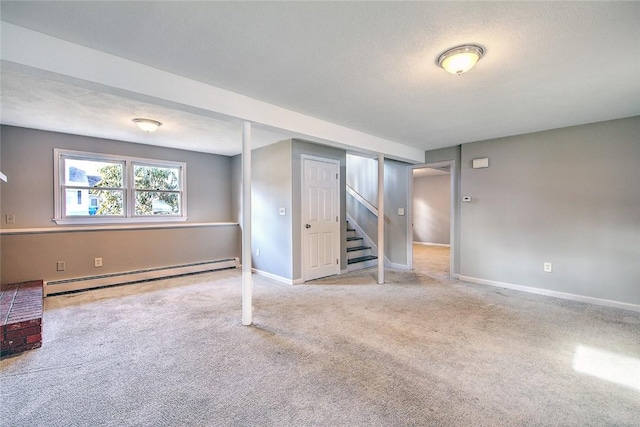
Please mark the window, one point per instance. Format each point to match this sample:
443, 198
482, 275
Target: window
98, 188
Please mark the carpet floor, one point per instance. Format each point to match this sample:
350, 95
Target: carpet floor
419, 350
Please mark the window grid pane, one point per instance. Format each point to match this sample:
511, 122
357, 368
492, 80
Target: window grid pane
157, 203
94, 202
93, 173
107, 186
149, 177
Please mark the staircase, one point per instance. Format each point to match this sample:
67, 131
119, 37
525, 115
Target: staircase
358, 255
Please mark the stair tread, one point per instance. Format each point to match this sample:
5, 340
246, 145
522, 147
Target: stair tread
362, 259
358, 248
349, 239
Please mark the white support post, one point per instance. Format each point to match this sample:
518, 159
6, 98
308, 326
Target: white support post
380, 219
247, 283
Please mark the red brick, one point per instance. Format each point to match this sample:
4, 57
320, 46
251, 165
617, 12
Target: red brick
15, 342
34, 338
21, 315
17, 350
23, 332
23, 324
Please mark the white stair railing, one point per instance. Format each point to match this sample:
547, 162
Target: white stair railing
364, 202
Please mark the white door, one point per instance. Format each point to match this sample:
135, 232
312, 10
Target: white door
320, 218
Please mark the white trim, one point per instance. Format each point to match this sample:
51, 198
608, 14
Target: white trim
394, 265
247, 280
364, 202
381, 246
555, 294
7, 231
276, 277
445, 245
117, 220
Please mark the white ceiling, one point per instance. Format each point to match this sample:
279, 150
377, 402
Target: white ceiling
368, 66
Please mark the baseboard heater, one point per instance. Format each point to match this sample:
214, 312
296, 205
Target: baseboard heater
91, 282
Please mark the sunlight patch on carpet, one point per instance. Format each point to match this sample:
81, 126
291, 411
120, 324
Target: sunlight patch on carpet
608, 366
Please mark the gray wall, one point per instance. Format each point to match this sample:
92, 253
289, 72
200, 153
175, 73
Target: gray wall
362, 176
431, 209
27, 159
396, 185
567, 196
270, 190
276, 183
236, 188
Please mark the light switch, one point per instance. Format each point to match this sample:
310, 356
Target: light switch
480, 163
282, 211
401, 211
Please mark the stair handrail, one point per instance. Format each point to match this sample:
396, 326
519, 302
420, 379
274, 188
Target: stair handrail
364, 202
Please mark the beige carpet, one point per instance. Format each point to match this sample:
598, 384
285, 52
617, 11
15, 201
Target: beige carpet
417, 351
431, 260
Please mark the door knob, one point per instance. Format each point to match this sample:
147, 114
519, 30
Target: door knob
307, 226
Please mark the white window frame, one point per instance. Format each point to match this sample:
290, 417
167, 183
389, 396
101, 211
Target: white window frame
129, 189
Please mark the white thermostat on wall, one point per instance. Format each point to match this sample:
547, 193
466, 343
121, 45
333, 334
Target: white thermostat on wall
480, 163
466, 198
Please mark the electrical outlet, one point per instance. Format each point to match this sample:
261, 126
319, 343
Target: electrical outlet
10, 218
97, 262
548, 268
60, 266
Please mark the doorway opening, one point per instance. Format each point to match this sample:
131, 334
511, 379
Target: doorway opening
432, 219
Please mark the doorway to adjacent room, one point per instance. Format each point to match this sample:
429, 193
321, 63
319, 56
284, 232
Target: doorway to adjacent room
432, 219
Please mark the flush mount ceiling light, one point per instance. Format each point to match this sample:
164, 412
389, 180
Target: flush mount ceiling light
147, 125
460, 59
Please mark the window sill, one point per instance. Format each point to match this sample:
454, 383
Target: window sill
120, 220
114, 227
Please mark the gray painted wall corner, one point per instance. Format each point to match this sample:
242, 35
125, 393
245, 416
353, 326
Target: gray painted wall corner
566, 196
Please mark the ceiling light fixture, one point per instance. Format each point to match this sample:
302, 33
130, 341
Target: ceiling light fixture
147, 125
460, 59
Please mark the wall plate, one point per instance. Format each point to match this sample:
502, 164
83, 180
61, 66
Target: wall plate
480, 163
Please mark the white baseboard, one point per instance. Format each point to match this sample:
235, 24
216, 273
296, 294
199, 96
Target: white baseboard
446, 245
393, 265
555, 294
274, 277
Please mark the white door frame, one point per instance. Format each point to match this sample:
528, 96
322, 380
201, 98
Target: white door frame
338, 201
453, 219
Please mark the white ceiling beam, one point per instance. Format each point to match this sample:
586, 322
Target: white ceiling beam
29, 48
